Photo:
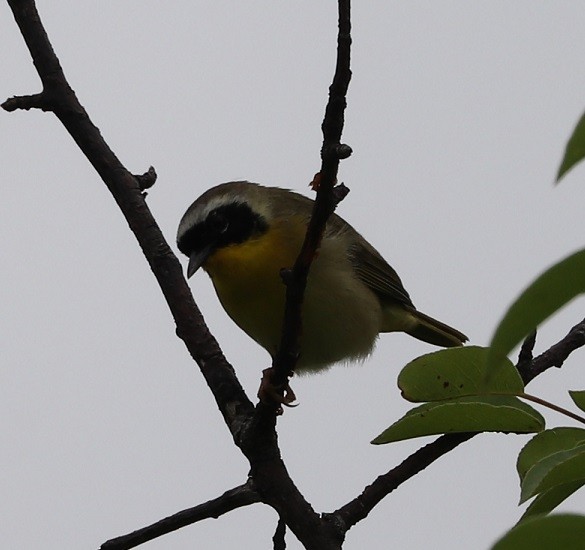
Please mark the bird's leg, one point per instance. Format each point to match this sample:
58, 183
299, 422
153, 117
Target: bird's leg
275, 394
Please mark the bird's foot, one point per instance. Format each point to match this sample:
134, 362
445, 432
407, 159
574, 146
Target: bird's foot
274, 394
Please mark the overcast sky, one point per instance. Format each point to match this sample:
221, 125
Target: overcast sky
458, 115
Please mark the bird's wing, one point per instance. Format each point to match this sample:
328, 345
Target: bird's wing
375, 272
367, 262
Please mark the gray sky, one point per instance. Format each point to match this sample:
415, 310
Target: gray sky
458, 115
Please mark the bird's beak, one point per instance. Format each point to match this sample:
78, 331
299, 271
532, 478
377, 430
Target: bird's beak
197, 259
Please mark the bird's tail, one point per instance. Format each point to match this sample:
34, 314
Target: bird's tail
434, 332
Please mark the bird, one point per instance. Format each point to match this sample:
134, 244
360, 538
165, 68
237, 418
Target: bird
243, 234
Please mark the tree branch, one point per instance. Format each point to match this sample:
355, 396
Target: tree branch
325, 203
57, 96
237, 497
556, 355
358, 508
26, 102
278, 541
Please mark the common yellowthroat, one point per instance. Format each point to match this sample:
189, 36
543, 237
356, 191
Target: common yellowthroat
243, 234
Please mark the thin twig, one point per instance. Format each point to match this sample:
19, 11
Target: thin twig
526, 351
358, 508
556, 355
325, 203
58, 97
278, 540
237, 497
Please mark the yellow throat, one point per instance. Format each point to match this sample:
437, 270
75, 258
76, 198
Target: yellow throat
247, 279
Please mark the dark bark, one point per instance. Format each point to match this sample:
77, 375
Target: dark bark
237, 497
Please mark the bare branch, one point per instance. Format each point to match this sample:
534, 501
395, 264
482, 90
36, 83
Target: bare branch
237, 497
556, 355
26, 102
358, 508
326, 202
60, 98
278, 542
526, 351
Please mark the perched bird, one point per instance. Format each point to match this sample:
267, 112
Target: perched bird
243, 234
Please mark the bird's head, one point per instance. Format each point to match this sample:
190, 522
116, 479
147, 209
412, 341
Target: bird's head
226, 215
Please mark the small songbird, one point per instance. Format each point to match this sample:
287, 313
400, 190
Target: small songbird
243, 234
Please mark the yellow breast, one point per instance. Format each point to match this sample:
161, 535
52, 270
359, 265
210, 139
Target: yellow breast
247, 280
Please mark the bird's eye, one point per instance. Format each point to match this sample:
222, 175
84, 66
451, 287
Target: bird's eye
218, 222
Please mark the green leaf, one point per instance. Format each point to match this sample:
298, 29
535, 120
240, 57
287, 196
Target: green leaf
547, 443
550, 499
575, 150
558, 532
456, 372
547, 294
556, 469
578, 398
490, 413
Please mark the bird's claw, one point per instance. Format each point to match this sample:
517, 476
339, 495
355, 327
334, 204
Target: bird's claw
275, 395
